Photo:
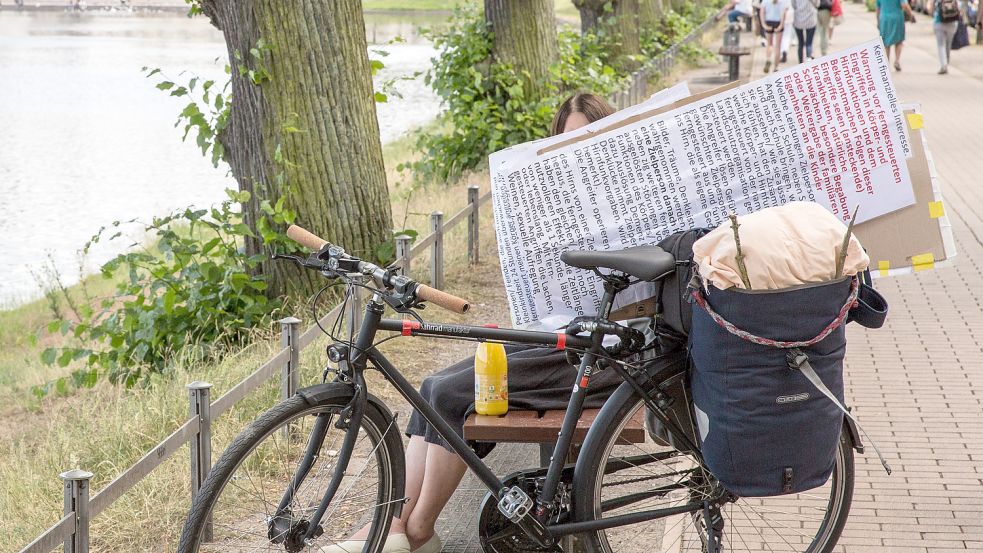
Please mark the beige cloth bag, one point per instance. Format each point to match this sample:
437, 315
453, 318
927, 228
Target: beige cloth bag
797, 243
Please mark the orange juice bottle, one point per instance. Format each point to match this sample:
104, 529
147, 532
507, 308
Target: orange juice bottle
491, 380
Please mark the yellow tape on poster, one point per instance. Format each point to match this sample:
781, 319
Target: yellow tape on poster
883, 267
915, 121
935, 210
922, 262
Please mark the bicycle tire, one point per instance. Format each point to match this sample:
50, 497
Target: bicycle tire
596, 455
377, 423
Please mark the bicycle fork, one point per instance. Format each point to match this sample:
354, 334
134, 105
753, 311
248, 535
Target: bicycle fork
285, 528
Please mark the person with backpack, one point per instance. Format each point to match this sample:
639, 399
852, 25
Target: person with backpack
804, 20
946, 16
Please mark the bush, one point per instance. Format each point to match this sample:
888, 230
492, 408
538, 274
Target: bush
488, 104
489, 107
193, 295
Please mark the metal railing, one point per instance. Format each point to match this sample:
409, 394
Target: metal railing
637, 88
73, 529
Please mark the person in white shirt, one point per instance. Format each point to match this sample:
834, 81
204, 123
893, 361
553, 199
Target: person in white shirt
772, 19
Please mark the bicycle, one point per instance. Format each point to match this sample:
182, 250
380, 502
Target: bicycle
273, 489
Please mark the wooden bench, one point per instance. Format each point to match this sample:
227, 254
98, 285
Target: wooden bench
733, 55
532, 427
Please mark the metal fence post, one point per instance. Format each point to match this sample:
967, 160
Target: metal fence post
473, 221
290, 377
77, 501
437, 252
199, 405
403, 244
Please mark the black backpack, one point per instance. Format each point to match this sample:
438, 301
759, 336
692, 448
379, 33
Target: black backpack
948, 11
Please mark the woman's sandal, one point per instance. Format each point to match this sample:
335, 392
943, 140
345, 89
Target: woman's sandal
396, 543
897, 66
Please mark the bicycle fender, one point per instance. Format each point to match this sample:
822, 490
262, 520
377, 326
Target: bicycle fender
321, 393
851, 428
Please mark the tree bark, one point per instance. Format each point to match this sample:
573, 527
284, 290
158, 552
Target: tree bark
525, 37
309, 132
591, 12
649, 14
594, 15
626, 33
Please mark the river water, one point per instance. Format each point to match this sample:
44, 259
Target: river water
86, 139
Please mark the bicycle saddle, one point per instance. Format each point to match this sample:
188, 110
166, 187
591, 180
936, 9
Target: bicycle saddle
641, 262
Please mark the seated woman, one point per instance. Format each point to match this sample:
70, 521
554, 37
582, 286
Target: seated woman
539, 379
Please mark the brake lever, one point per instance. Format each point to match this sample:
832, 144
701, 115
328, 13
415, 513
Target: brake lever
299, 261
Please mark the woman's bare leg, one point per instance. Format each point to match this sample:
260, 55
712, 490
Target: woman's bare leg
416, 462
443, 473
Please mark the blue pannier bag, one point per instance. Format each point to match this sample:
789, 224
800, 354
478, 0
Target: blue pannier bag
767, 380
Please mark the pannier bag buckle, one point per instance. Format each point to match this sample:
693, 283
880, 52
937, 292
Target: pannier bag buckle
787, 480
795, 357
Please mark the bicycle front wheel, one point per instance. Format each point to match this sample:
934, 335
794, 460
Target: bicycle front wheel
624, 478
236, 508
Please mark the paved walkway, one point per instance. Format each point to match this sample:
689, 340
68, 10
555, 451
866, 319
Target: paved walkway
917, 383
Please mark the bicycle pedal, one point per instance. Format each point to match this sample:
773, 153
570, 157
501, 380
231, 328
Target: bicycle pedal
515, 504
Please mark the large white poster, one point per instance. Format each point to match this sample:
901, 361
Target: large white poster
828, 131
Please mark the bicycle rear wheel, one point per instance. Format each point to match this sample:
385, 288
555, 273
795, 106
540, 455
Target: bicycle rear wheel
239, 498
623, 478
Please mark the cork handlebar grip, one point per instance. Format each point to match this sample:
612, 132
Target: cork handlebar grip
443, 299
305, 238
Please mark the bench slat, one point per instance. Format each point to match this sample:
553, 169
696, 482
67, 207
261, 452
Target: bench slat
529, 427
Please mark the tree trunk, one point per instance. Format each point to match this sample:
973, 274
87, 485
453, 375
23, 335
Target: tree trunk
677, 5
525, 37
649, 14
309, 132
626, 33
591, 13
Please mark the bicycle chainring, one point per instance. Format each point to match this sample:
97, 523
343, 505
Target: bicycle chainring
498, 534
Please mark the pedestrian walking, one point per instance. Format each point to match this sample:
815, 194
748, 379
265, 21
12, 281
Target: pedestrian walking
945, 20
773, 22
836, 14
890, 22
805, 18
824, 28
788, 33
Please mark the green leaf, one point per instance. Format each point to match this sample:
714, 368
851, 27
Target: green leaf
165, 85
381, 98
48, 356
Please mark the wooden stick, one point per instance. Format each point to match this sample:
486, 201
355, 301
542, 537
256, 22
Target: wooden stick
740, 253
841, 258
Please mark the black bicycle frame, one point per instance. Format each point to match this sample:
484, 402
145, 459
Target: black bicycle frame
363, 354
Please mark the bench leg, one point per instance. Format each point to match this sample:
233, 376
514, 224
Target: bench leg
733, 68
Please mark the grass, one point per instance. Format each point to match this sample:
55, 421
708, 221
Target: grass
106, 429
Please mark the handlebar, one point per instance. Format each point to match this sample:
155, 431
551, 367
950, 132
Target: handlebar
385, 278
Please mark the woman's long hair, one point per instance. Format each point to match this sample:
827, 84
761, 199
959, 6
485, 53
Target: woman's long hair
592, 106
